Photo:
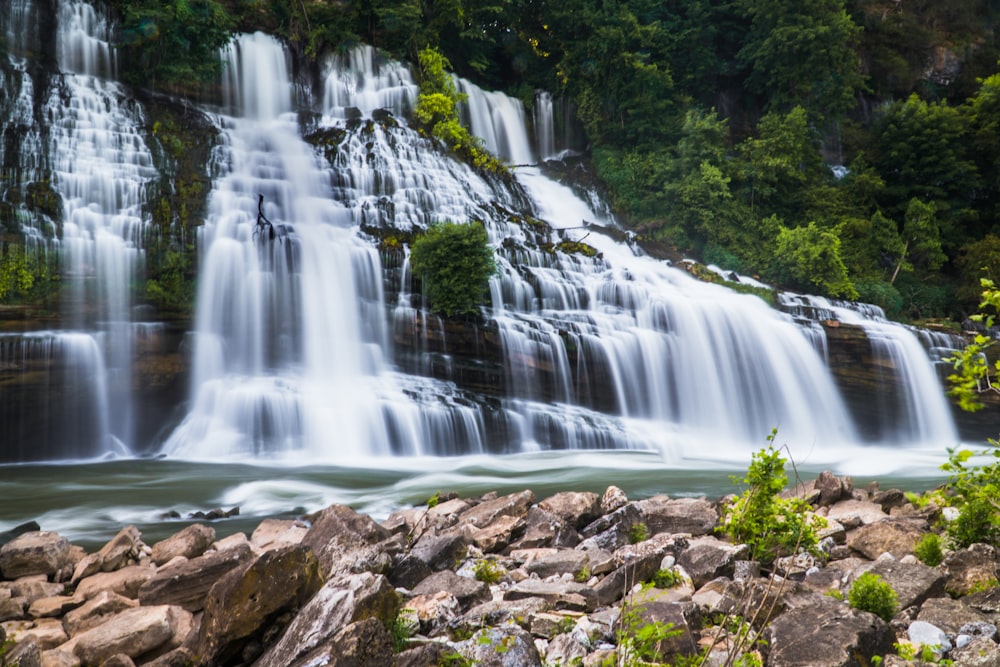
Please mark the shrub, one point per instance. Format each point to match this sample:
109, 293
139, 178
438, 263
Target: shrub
771, 526
487, 571
666, 578
928, 550
454, 263
638, 532
871, 593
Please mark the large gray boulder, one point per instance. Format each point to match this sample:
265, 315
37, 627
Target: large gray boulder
950, 615
913, 582
508, 646
895, 536
191, 542
467, 591
362, 643
95, 611
36, 552
244, 600
971, 568
340, 602
345, 541
134, 632
575, 508
186, 582
695, 516
826, 633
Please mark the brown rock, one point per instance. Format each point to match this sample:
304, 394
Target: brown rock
980, 652
118, 660
971, 568
58, 657
432, 653
576, 509
826, 633
125, 548
340, 602
186, 582
434, 611
546, 529
486, 513
517, 648
34, 588
125, 581
497, 534
57, 605
707, 558
95, 611
360, 644
467, 591
441, 552
895, 536
342, 539
238, 604
25, 654
853, 513
559, 595
949, 615
563, 561
36, 552
134, 632
275, 532
611, 530
191, 542
613, 499
684, 618
615, 585
46, 633
695, 516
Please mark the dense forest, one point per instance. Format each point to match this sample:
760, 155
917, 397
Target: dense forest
843, 147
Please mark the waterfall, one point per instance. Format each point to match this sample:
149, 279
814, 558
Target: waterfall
309, 341
100, 167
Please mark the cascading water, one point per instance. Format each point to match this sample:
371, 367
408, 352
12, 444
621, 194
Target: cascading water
609, 351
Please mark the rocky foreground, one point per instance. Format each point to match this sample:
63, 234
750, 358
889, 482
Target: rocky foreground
500, 581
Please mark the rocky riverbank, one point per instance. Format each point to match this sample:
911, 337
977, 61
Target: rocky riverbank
493, 581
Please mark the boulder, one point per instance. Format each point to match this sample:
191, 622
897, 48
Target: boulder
694, 516
922, 633
125, 581
500, 612
134, 632
125, 548
467, 591
56, 605
441, 552
611, 530
509, 646
562, 561
432, 653
979, 652
46, 633
987, 601
96, 611
191, 542
971, 568
950, 615
826, 633
913, 582
12, 609
613, 499
565, 649
340, 602
245, 598
575, 508
24, 654
497, 534
34, 588
559, 595
853, 513
617, 584
434, 611
409, 572
546, 529
118, 660
36, 552
707, 558
895, 536
683, 617
365, 642
59, 657
343, 540
186, 582
271, 533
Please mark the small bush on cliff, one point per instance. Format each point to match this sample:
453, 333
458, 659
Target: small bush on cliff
771, 526
928, 550
871, 593
454, 263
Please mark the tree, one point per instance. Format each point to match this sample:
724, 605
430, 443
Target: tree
173, 43
454, 263
802, 54
921, 240
809, 257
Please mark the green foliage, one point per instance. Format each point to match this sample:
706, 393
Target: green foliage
771, 526
871, 593
437, 113
173, 43
809, 257
434, 500
639, 640
638, 532
582, 575
802, 54
401, 629
975, 490
454, 659
487, 571
26, 273
928, 550
973, 373
454, 263
666, 578
171, 286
